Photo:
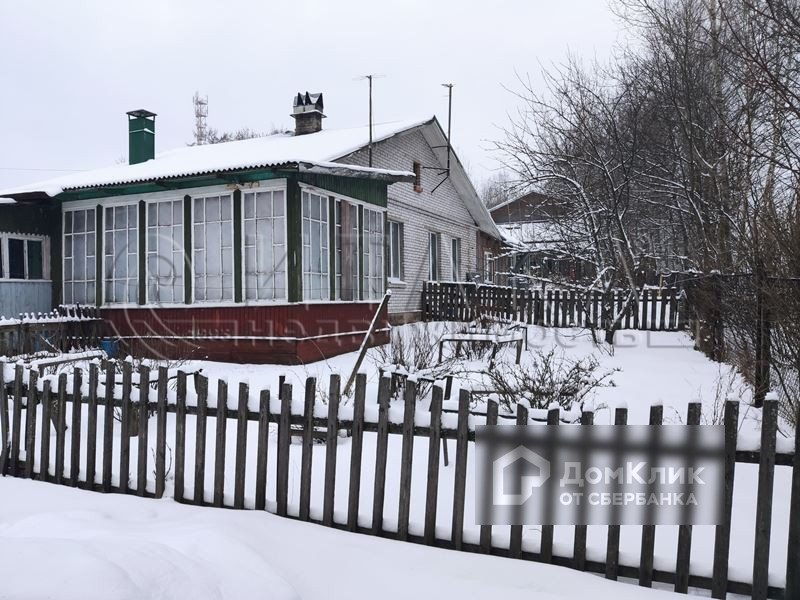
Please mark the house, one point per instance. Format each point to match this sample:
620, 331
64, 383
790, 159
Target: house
293, 237
439, 229
26, 281
534, 244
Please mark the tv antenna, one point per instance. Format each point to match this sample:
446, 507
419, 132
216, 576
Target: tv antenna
369, 78
446, 171
200, 119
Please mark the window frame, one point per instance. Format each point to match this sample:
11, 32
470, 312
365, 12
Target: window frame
111, 206
5, 258
380, 217
204, 194
149, 203
280, 187
326, 263
86, 208
399, 252
488, 266
438, 245
455, 259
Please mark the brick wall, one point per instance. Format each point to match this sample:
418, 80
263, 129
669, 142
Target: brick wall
421, 212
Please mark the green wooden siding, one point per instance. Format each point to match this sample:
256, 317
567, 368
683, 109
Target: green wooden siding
294, 241
38, 219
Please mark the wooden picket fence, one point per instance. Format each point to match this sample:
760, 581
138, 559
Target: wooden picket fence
657, 309
100, 466
59, 331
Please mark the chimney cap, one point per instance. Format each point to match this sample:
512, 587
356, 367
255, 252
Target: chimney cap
140, 112
307, 103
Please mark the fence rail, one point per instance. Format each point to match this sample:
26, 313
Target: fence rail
113, 434
657, 310
59, 331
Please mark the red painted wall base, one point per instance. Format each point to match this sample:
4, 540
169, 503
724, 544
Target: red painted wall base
279, 334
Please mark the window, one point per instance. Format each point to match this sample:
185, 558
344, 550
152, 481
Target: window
488, 266
417, 176
433, 256
396, 250
316, 284
373, 254
265, 245
212, 241
121, 257
22, 257
346, 241
79, 256
165, 255
455, 259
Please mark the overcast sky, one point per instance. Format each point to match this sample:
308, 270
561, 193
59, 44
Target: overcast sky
70, 70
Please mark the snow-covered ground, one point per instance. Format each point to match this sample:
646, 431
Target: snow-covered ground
649, 367
58, 542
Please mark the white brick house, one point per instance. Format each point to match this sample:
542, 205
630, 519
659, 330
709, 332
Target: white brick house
452, 210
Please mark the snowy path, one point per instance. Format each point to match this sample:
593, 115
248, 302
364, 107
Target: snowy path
114, 547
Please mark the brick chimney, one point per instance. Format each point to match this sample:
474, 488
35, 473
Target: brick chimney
141, 136
307, 113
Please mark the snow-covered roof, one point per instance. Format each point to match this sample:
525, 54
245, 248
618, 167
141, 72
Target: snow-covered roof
323, 152
534, 236
315, 152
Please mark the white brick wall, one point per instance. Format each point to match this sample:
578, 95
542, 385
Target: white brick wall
421, 212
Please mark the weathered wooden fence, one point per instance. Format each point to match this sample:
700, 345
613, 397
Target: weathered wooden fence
59, 331
657, 309
93, 452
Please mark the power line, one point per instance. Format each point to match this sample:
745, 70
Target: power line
36, 169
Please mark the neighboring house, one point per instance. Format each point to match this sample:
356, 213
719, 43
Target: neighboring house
534, 245
290, 245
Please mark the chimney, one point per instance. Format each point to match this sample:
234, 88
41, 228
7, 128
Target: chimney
307, 113
141, 136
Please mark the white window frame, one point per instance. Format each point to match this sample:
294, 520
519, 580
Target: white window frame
373, 239
488, 266
455, 259
434, 241
90, 301
324, 248
396, 277
112, 280
275, 300
193, 200
152, 203
5, 272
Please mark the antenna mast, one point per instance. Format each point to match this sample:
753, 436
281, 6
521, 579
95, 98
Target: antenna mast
369, 79
446, 171
449, 87
200, 119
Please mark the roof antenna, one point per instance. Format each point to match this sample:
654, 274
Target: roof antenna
369, 78
200, 117
446, 172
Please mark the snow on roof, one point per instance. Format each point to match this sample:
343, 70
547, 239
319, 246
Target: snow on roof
533, 236
314, 152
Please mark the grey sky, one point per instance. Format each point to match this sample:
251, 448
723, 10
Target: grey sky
70, 70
